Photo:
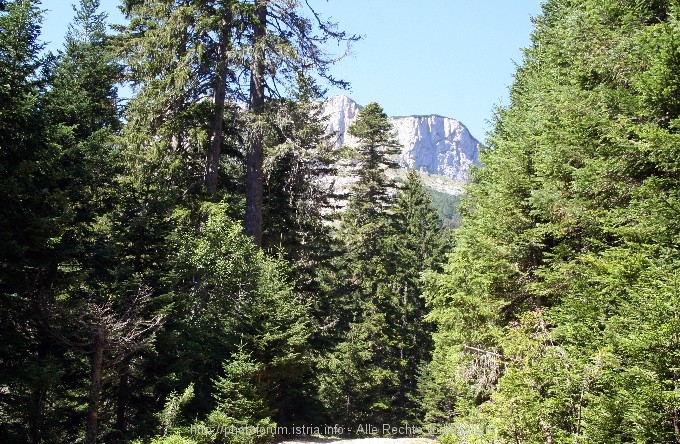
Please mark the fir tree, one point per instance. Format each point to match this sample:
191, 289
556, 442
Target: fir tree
564, 238
207, 46
364, 230
30, 218
282, 37
417, 245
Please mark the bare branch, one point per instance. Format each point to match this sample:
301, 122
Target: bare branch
479, 350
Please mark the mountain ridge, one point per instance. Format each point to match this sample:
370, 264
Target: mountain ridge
440, 148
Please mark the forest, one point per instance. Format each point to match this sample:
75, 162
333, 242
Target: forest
176, 265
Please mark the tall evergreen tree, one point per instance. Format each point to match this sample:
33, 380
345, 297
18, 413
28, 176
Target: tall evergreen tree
417, 245
208, 46
365, 223
178, 57
298, 188
556, 260
283, 46
362, 315
236, 318
371, 197
297, 211
30, 220
112, 312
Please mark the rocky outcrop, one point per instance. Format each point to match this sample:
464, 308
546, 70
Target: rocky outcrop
341, 111
434, 145
437, 145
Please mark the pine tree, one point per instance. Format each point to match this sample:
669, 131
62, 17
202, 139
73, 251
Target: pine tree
564, 239
362, 315
416, 246
30, 219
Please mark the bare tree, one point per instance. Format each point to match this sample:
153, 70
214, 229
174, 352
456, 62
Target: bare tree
104, 328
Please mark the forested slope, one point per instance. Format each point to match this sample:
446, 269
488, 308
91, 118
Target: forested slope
558, 310
174, 269
172, 265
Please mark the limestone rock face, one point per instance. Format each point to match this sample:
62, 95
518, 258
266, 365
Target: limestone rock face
341, 112
437, 145
434, 145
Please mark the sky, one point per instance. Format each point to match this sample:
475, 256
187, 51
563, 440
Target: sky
455, 58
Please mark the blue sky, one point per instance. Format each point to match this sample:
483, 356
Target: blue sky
455, 58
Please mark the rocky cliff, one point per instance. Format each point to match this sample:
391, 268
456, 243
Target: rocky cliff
440, 148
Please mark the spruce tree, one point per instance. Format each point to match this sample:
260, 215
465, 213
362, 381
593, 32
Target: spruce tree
545, 305
30, 219
362, 314
417, 245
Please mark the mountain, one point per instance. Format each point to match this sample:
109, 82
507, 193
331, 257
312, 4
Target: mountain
441, 149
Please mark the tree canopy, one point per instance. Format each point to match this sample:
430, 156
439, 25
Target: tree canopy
180, 262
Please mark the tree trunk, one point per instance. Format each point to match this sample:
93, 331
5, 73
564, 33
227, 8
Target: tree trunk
219, 92
38, 404
38, 397
95, 384
123, 397
255, 156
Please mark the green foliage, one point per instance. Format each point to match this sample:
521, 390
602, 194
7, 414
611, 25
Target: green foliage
236, 393
125, 278
370, 374
542, 311
371, 195
168, 417
555, 313
461, 432
58, 153
356, 384
366, 388
447, 207
240, 403
230, 294
28, 218
298, 195
173, 68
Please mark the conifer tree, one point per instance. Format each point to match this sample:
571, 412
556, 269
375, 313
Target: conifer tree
365, 223
297, 210
298, 189
231, 302
114, 315
364, 230
179, 60
283, 46
209, 46
29, 217
568, 228
417, 245
372, 195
